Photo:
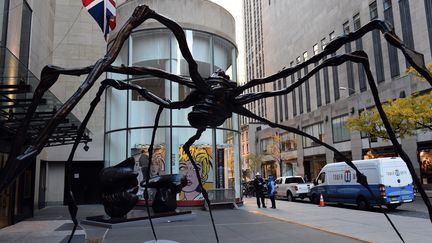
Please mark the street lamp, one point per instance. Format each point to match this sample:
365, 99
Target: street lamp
349, 89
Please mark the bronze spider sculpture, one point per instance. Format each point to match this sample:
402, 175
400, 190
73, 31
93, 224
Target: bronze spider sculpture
213, 99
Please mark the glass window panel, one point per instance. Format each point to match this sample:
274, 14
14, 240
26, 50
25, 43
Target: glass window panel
340, 132
143, 112
116, 109
115, 151
314, 130
223, 51
151, 49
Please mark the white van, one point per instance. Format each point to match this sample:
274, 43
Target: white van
389, 179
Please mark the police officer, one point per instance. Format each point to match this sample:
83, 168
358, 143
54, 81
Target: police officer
259, 187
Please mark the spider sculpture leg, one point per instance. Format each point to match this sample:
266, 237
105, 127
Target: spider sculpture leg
146, 196
73, 209
359, 57
362, 58
414, 58
360, 177
186, 148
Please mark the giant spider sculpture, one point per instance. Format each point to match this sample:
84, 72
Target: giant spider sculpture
212, 99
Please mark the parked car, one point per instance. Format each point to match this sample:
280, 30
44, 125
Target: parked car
292, 187
388, 178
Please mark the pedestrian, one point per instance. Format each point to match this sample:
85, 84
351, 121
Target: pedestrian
259, 187
271, 189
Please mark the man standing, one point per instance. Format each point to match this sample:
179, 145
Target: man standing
259, 185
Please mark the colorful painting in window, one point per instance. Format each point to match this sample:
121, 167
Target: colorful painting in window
203, 159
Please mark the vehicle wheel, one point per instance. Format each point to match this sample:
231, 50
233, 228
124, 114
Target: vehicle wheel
362, 203
314, 199
392, 206
290, 196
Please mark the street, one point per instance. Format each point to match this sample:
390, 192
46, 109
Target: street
415, 209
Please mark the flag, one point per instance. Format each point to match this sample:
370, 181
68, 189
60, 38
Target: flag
104, 12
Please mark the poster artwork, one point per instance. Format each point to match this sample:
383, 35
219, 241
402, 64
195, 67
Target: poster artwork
204, 161
142, 163
220, 168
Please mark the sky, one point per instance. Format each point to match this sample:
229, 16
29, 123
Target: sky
235, 7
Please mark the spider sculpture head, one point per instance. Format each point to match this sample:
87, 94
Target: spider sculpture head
211, 110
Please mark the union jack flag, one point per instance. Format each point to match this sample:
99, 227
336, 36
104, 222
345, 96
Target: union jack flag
104, 12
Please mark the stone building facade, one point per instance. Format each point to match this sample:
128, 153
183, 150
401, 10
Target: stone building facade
295, 30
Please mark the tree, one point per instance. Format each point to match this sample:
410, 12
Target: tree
255, 161
405, 115
276, 149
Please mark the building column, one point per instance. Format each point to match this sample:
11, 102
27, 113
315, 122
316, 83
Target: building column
409, 145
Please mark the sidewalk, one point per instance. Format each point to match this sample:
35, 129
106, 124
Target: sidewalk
234, 226
362, 225
290, 222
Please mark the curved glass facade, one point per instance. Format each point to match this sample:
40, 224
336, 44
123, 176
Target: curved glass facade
130, 118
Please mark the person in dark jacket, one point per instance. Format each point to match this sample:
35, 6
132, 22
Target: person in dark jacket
259, 187
272, 190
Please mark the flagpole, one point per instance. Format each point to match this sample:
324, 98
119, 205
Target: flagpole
105, 19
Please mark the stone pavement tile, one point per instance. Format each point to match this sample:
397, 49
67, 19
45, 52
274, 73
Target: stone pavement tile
76, 239
12, 237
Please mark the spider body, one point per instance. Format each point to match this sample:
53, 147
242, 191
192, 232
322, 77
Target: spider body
212, 109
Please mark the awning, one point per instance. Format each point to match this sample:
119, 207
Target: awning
17, 85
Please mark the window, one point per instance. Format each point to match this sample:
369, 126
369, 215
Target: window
407, 32
323, 44
288, 142
335, 78
280, 102
428, 9
373, 11
313, 130
285, 99
392, 51
307, 90
349, 65
300, 93
332, 36
340, 132
359, 46
25, 34
305, 56
321, 178
315, 49
293, 180
294, 98
266, 145
4, 6
298, 60
387, 5
318, 87
376, 40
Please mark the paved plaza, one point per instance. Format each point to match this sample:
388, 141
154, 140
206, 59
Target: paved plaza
290, 222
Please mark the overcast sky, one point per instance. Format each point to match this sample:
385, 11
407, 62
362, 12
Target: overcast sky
235, 8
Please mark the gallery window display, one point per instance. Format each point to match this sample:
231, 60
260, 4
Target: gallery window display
426, 165
130, 118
